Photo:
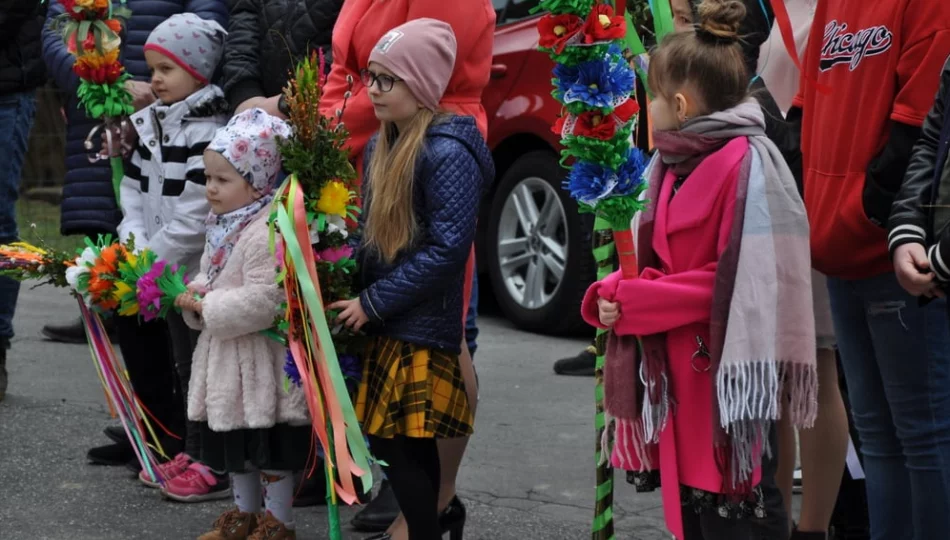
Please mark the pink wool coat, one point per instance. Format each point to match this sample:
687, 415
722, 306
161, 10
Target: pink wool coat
690, 233
237, 374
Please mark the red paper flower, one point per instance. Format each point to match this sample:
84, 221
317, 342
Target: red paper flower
602, 25
556, 30
88, 44
595, 125
625, 111
107, 74
558, 126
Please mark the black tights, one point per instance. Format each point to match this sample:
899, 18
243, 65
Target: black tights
413, 473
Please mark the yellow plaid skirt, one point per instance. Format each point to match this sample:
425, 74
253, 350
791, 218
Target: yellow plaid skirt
412, 391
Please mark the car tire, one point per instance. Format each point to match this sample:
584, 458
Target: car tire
516, 246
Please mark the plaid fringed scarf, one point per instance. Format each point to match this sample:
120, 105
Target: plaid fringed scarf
762, 321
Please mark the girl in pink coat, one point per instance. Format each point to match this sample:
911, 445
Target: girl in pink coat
719, 323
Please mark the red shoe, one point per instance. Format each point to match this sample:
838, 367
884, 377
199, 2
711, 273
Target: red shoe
167, 471
197, 484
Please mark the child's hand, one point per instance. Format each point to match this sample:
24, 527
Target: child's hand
609, 312
351, 313
188, 301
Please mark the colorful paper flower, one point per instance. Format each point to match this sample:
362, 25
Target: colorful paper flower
335, 255
334, 199
602, 25
149, 294
557, 30
290, 369
596, 126
630, 174
588, 183
599, 83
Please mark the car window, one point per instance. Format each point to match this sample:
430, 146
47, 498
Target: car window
513, 10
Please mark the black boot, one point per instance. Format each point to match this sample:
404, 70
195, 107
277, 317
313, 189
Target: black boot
74, 332
581, 365
380, 513
114, 455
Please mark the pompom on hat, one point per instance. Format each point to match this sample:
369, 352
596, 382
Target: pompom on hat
422, 53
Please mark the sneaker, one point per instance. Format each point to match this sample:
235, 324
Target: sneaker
270, 528
232, 525
167, 471
197, 483
581, 365
113, 455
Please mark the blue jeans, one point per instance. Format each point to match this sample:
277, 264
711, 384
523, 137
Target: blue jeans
16, 119
896, 358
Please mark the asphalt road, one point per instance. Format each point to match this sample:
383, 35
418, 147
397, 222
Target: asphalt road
528, 473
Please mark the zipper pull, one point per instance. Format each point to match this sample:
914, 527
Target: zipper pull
701, 360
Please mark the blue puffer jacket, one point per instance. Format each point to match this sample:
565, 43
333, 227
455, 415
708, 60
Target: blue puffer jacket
418, 298
88, 198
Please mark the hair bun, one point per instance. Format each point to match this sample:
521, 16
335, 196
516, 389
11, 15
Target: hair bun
719, 20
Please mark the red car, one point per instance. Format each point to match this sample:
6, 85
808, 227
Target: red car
534, 246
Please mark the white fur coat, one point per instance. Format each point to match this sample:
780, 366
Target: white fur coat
237, 374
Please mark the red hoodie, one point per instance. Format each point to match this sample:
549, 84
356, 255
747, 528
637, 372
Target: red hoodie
882, 62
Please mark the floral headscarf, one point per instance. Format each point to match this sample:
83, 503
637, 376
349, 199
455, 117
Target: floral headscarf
250, 143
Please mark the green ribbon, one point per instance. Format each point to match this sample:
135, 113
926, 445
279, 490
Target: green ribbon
354, 436
636, 48
118, 171
602, 527
662, 18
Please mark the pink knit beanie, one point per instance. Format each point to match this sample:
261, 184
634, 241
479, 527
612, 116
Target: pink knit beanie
421, 52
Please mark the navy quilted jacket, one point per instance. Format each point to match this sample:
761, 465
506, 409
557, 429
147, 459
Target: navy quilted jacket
418, 298
88, 198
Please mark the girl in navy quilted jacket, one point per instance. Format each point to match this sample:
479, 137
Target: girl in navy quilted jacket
423, 180
162, 197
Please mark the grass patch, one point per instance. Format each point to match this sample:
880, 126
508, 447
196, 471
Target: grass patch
40, 220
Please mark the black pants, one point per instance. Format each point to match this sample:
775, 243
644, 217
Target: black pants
183, 341
146, 350
709, 525
413, 473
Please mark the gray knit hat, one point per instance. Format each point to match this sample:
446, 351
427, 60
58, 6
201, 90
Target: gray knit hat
193, 43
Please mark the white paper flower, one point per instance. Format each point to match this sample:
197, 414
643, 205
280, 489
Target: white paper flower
336, 223
87, 258
73, 273
314, 234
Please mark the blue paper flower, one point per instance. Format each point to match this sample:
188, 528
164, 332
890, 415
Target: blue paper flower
290, 369
630, 174
590, 182
598, 83
352, 370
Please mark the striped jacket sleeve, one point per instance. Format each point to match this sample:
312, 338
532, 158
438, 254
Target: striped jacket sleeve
132, 200
184, 235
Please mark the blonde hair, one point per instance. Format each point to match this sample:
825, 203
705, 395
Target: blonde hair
390, 218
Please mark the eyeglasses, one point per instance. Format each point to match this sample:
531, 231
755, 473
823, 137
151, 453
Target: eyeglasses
384, 82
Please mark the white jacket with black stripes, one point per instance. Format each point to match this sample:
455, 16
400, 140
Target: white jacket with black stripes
162, 195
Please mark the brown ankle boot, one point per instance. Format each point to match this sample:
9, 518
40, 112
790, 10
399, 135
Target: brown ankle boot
232, 525
270, 528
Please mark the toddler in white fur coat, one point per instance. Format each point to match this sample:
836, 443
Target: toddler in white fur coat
250, 427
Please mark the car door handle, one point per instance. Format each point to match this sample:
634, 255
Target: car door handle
498, 71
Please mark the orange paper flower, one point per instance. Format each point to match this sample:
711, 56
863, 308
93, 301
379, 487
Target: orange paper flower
110, 257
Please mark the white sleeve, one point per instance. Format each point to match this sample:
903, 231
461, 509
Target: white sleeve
181, 237
131, 203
